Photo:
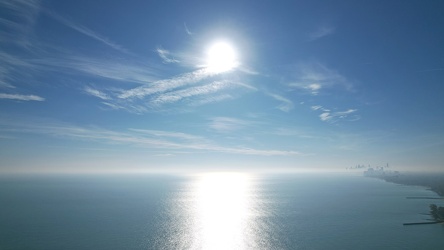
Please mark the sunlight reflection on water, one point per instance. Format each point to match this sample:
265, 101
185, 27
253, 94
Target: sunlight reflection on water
222, 205
216, 211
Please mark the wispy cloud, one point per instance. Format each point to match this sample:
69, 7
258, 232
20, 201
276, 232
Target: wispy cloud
96, 93
17, 25
227, 124
108, 68
175, 96
21, 97
333, 117
151, 139
166, 85
286, 105
321, 32
170, 134
187, 30
314, 77
155, 90
319, 107
86, 31
192, 89
129, 107
166, 56
211, 99
13, 69
328, 115
24, 8
299, 133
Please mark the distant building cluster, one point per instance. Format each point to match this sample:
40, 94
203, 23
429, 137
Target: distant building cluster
380, 172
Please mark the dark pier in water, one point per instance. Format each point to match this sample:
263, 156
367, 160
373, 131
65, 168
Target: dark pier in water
426, 198
422, 223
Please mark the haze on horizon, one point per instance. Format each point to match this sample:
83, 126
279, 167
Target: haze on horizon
236, 85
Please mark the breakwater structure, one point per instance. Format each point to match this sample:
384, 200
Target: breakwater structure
436, 212
434, 182
421, 223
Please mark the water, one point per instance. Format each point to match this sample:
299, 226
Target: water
213, 211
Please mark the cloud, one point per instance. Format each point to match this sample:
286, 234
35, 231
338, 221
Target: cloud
23, 8
96, 93
13, 69
313, 88
299, 133
86, 31
21, 97
325, 116
286, 105
166, 84
314, 77
154, 87
187, 30
333, 117
211, 99
25, 63
166, 56
321, 32
131, 108
151, 139
194, 89
109, 68
160, 133
227, 124
319, 107
175, 96
17, 25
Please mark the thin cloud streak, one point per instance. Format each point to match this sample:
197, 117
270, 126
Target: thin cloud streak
21, 97
335, 116
16, 29
176, 96
187, 30
96, 93
165, 55
319, 107
327, 115
131, 108
227, 124
167, 84
314, 77
12, 68
211, 99
321, 32
286, 105
153, 139
85, 31
117, 70
160, 133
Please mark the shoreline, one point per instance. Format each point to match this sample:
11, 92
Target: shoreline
433, 182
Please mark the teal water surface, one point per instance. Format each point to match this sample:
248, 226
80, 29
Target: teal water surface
228, 211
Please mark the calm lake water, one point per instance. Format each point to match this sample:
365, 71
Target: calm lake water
213, 211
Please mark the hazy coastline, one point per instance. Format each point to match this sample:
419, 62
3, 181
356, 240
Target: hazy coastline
433, 181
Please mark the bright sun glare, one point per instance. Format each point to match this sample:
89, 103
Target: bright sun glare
221, 57
222, 207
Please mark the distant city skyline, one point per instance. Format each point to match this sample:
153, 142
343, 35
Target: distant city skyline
233, 85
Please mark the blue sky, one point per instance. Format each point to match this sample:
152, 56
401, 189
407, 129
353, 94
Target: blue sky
128, 85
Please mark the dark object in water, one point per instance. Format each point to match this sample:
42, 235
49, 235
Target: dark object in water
422, 223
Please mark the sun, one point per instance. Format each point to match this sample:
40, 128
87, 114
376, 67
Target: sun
221, 57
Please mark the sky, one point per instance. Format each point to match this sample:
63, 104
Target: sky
238, 85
